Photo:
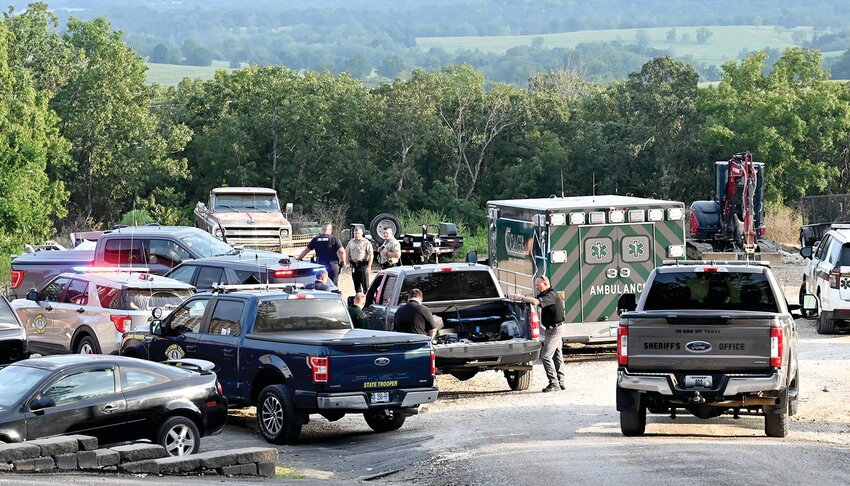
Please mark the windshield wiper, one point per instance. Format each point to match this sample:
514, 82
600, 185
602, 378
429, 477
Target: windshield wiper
229, 207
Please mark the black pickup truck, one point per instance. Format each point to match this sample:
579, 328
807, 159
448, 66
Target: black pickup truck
710, 338
294, 353
482, 330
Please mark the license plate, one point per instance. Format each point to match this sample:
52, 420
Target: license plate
417, 244
380, 397
697, 381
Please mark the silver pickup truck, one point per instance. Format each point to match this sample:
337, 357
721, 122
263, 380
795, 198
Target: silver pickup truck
709, 338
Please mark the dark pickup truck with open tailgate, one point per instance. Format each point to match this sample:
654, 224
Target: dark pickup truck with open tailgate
293, 353
710, 338
483, 330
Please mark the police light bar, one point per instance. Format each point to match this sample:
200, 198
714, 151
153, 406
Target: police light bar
577, 218
111, 269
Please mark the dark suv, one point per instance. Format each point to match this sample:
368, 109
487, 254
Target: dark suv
248, 270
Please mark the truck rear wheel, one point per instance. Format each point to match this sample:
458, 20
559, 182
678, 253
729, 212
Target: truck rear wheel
276, 415
518, 380
633, 422
776, 418
464, 375
825, 324
384, 420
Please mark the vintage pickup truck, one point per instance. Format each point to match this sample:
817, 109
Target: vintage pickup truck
710, 338
249, 217
294, 353
483, 330
158, 249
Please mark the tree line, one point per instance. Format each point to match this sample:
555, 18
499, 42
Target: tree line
84, 140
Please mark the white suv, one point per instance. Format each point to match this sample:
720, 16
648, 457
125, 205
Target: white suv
827, 276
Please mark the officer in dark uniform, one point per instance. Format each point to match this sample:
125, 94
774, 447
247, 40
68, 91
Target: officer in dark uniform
552, 319
329, 252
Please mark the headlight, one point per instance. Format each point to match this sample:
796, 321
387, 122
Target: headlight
284, 233
218, 233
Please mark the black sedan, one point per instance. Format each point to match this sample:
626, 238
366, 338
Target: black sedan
13, 338
113, 398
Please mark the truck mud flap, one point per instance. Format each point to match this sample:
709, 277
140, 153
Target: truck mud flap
627, 400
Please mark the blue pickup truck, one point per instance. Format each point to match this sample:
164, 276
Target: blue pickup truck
294, 353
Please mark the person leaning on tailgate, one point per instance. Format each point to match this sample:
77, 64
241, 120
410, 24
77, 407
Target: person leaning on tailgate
415, 318
329, 252
552, 318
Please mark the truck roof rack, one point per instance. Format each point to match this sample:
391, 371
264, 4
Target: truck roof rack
240, 287
759, 263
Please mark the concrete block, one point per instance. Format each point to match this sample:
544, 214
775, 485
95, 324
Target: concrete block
84, 442
247, 455
266, 469
98, 459
35, 465
171, 465
249, 469
56, 445
66, 461
140, 452
140, 467
235, 470
18, 451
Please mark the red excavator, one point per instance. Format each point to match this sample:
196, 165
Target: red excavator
734, 220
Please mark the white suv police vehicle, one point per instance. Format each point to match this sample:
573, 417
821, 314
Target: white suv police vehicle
827, 276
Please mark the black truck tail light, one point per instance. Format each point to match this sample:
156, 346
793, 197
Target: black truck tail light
17, 278
622, 346
433, 363
834, 277
319, 365
535, 324
776, 347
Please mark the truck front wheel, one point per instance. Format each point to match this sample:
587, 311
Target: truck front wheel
276, 415
519, 380
385, 420
633, 421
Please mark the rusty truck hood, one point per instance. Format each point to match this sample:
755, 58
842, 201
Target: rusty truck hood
253, 218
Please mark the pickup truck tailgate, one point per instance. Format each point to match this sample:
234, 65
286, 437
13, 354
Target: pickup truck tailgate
358, 366
676, 342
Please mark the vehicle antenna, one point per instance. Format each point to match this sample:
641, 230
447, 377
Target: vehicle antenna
562, 183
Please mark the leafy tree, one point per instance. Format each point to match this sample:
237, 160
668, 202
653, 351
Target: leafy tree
671, 35
195, 54
160, 54
703, 34
642, 38
29, 142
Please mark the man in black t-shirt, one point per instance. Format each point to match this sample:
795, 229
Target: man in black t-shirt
415, 318
552, 320
329, 252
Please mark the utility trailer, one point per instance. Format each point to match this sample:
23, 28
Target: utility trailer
820, 213
592, 248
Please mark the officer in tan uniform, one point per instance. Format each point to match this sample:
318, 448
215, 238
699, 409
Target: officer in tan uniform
389, 253
360, 255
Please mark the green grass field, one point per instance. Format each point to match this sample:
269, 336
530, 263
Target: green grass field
725, 43
172, 74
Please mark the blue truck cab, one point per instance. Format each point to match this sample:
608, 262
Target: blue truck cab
293, 353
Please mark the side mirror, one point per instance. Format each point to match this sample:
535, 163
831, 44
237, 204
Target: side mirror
32, 294
810, 306
156, 313
626, 303
202, 206
472, 257
156, 327
806, 252
289, 208
42, 403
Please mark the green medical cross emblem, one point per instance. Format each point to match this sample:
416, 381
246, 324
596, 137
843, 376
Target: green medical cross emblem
635, 249
599, 251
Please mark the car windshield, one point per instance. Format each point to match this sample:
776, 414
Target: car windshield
207, 245
142, 299
246, 202
18, 381
741, 291
7, 316
301, 315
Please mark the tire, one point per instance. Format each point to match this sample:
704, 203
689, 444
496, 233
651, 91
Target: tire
381, 221
825, 324
276, 416
519, 380
179, 435
633, 422
385, 420
776, 419
87, 345
463, 375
